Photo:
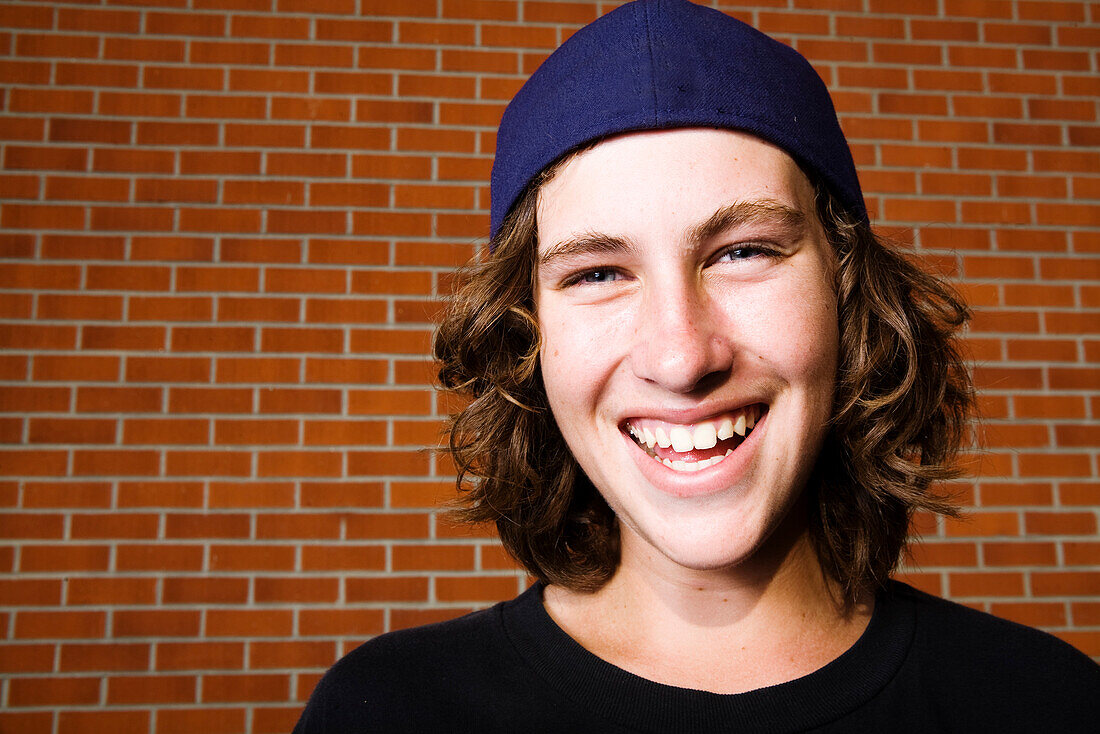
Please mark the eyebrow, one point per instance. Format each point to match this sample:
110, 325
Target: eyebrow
585, 244
750, 212
733, 215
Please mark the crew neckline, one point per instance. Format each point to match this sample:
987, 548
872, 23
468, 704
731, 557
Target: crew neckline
610, 693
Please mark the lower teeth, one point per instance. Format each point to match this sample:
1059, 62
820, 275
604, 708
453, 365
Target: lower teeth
692, 465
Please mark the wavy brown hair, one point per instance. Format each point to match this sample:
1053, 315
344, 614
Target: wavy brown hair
903, 398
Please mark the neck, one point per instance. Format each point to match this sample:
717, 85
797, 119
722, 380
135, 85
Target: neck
727, 630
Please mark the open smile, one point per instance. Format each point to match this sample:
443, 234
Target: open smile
698, 446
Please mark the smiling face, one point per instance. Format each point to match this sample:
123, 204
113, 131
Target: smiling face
689, 336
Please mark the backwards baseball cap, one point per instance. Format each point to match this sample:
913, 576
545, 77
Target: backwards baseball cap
662, 64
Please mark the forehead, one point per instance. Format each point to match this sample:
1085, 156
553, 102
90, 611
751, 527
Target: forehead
666, 180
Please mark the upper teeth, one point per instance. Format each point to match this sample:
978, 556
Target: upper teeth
703, 435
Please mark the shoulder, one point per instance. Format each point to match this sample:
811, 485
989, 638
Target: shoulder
425, 669
947, 625
994, 669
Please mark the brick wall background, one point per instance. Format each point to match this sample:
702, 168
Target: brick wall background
226, 225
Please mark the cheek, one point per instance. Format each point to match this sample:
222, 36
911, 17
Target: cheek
795, 329
568, 355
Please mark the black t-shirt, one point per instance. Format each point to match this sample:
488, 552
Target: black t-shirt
922, 665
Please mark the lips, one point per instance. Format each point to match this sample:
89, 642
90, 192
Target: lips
696, 446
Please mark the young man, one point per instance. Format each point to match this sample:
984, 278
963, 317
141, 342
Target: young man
706, 401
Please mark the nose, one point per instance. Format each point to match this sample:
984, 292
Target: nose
681, 341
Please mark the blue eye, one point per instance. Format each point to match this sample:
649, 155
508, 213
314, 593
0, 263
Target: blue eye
745, 252
604, 275
741, 253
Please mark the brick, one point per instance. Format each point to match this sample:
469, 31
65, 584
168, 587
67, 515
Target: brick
405, 618
59, 624
252, 558
435, 34
987, 106
357, 252
53, 691
221, 339
251, 494
1020, 554
207, 463
984, 524
210, 400
348, 194
251, 309
1082, 553
432, 140
1049, 406
346, 494
98, 656
1033, 614
26, 658
237, 249
167, 369
299, 463
118, 399
107, 590
31, 592
160, 494
1050, 350
291, 653
390, 402
175, 190
1029, 239
341, 622
151, 689
233, 52
251, 369
222, 106
249, 623
357, 137
345, 310
1060, 523
67, 557
395, 58
1019, 186
33, 463
25, 399
296, 589
220, 162
17, 157
986, 584
123, 463
385, 223
200, 656
138, 431
210, 720
156, 623
1050, 60
1065, 583
86, 188
475, 588
28, 216
205, 590
1054, 465
316, 557
955, 183
170, 308
114, 526
389, 588
433, 557
71, 430
159, 557
143, 338
906, 53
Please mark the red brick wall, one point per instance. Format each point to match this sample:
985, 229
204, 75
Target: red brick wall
226, 224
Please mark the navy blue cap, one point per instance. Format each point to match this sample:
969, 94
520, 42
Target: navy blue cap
661, 64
